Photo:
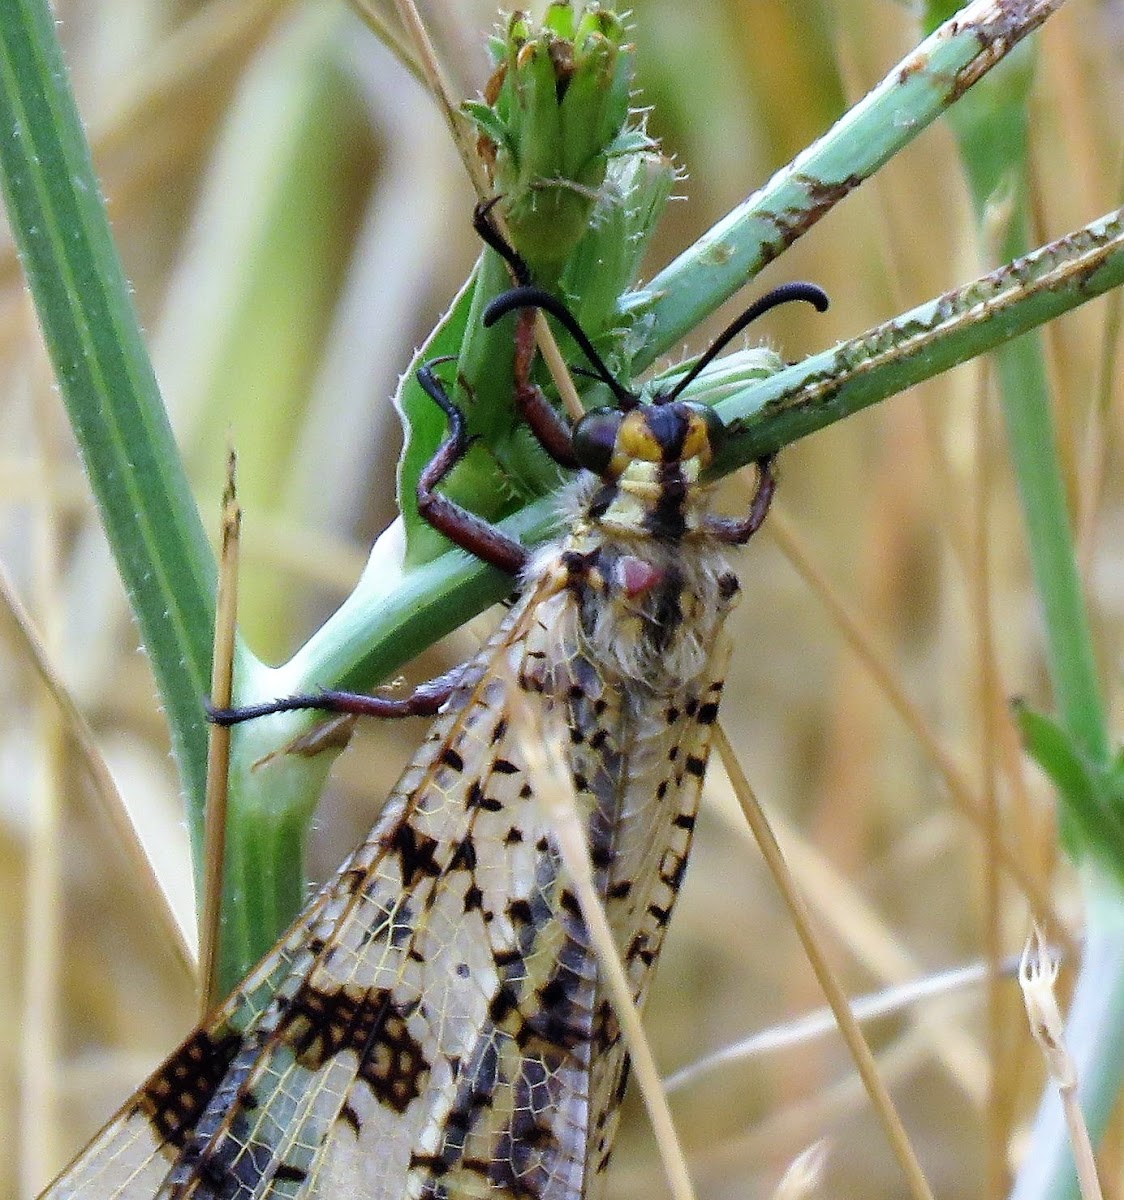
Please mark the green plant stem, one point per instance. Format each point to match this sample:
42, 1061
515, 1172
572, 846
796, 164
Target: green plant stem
925, 341
917, 91
264, 883
394, 614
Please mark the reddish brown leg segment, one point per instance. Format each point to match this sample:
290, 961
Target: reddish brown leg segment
424, 701
734, 532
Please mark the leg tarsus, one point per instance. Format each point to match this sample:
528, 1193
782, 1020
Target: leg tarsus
489, 233
424, 701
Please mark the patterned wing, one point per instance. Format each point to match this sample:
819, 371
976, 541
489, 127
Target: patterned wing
134, 1152
186, 1112
641, 767
433, 1025
386, 1051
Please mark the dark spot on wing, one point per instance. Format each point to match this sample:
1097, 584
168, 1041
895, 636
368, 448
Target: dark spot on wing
464, 856
319, 1025
503, 1003
176, 1096
351, 1118
415, 852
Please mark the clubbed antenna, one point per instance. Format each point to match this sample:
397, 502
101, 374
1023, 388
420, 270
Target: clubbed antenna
787, 292
536, 297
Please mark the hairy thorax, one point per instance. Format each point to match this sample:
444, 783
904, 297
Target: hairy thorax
646, 606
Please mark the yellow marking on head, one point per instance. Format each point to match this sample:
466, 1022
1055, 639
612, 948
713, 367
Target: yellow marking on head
636, 443
644, 479
696, 443
635, 439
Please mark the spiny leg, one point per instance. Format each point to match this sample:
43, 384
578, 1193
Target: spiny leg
465, 529
461, 527
424, 701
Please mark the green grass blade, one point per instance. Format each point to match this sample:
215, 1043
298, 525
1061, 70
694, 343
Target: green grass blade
60, 225
1032, 444
992, 130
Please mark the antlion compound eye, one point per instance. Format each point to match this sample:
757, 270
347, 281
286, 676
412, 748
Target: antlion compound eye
595, 438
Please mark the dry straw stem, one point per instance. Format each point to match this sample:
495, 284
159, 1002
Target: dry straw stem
840, 906
160, 93
218, 744
390, 37
874, 1006
1038, 974
211, 41
1096, 440
792, 1125
959, 788
40, 1047
126, 829
545, 755
848, 1026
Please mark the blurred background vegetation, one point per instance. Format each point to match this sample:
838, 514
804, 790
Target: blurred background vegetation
294, 221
